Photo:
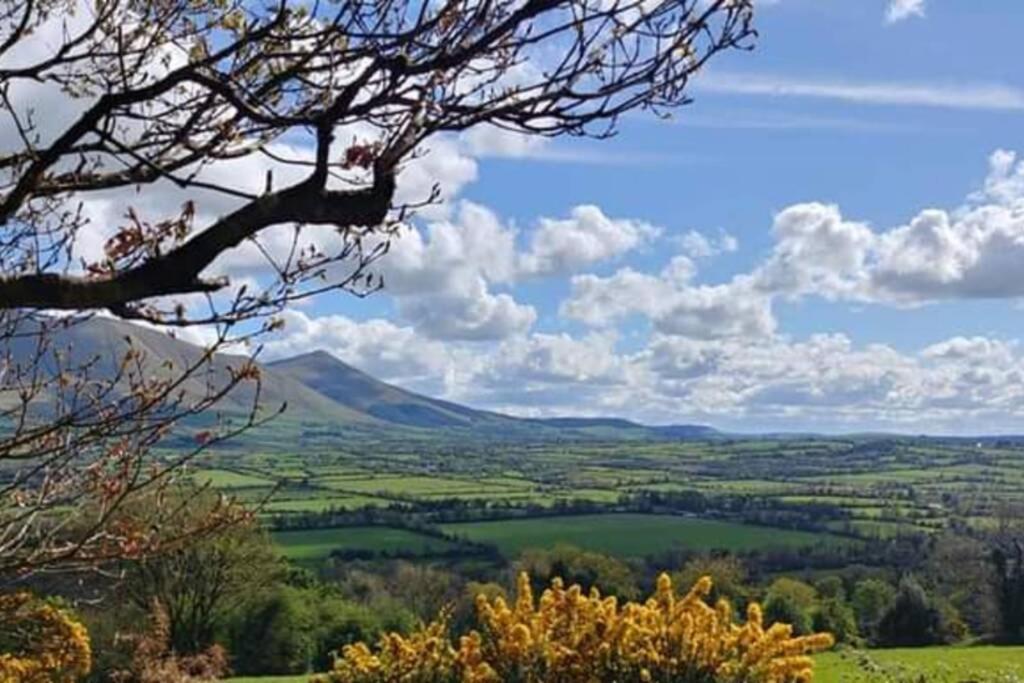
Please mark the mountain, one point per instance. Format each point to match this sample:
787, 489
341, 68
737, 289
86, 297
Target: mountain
360, 392
100, 343
324, 396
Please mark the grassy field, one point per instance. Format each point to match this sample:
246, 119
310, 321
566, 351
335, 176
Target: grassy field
887, 486
627, 535
316, 544
955, 664
941, 665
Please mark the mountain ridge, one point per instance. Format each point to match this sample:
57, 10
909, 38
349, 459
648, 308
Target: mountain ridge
322, 391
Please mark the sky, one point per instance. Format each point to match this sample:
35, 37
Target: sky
830, 238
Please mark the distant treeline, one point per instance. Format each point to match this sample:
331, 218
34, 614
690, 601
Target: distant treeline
749, 509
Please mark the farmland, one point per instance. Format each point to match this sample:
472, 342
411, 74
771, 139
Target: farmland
625, 535
871, 487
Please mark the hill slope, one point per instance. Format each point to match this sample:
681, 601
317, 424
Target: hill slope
325, 394
357, 390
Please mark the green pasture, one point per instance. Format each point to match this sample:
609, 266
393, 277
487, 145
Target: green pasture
953, 664
229, 479
628, 535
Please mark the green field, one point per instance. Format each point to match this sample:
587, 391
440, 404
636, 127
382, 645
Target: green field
941, 665
316, 544
956, 664
883, 486
627, 535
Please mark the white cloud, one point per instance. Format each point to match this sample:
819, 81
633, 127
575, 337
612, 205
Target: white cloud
940, 95
696, 244
971, 252
588, 236
442, 275
898, 10
672, 302
824, 382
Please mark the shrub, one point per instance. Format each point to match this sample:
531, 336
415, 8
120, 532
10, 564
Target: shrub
912, 620
40, 643
789, 601
570, 636
154, 661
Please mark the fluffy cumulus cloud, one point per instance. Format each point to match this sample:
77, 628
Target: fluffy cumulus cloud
971, 252
898, 10
672, 302
443, 276
588, 236
824, 382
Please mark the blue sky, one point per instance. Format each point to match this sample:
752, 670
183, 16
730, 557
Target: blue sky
829, 238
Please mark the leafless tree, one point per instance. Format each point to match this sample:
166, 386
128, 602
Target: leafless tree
114, 101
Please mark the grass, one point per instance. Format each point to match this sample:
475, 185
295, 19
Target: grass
316, 544
940, 664
228, 479
628, 535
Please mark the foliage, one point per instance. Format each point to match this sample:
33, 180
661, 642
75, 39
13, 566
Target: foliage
912, 619
40, 643
154, 661
728, 576
870, 600
575, 565
195, 584
1009, 576
296, 630
835, 616
570, 636
789, 601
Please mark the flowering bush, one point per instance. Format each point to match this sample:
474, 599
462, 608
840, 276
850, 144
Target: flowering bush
569, 636
40, 643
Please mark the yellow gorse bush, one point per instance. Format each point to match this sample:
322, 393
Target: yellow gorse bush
570, 636
40, 643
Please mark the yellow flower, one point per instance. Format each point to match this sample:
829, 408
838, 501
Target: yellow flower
572, 636
56, 647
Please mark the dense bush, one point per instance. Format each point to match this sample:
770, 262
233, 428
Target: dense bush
912, 620
40, 643
789, 601
570, 636
296, 630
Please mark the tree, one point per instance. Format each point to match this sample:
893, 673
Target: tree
296, 630
912, 620
1009, 579
833, 615
728, 578
960, 570
871, 598
588, 569
283, 128
196, 585
789, 601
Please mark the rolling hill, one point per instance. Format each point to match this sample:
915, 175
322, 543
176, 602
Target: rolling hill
354, 389
324, 394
